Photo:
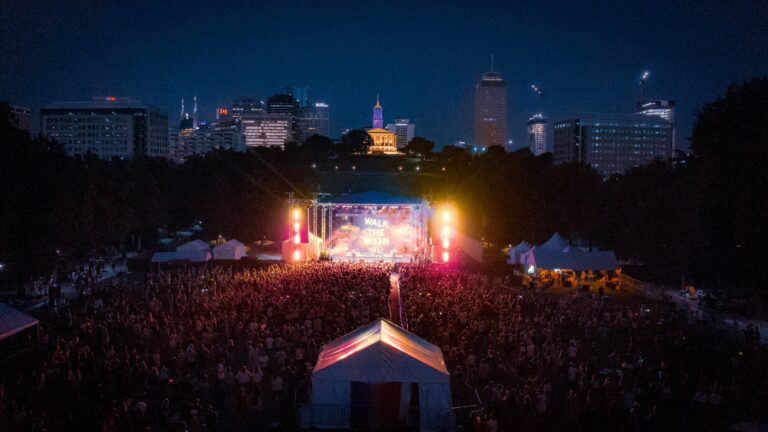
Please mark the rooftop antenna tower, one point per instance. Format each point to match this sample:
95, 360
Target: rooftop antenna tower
643, 79
194, 114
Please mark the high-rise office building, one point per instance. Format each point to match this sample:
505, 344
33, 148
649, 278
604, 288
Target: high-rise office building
223, 134
286, 104
301, 94
22, 117
404, 131
491, 110
283, 104
107, 127
314, 119
537, 134
662, 108
267, 130
612, 143
248, 106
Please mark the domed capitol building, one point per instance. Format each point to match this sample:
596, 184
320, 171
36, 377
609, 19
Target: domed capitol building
384, 141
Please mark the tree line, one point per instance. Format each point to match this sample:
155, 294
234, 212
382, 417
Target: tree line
702, 214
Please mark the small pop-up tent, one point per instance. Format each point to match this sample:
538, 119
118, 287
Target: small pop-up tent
379, 371
231, 250
195, 251
13, 321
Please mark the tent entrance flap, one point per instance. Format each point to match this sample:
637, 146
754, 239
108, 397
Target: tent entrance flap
375, 404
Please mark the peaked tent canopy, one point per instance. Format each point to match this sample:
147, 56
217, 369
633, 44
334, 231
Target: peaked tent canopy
195, 251
378, 353
556, 253
516, 252
13, 321
231, 250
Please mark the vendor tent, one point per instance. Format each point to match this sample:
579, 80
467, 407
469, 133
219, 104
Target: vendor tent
13, 321
195, 251
163, 257
231, 250
556, 253
516, 252
373, 358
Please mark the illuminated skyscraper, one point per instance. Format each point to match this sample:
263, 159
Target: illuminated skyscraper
612, 143
537, 134
662, 108
267, 130
491, 110
378, 115
404, 131
248, 106
314, 119
107, 127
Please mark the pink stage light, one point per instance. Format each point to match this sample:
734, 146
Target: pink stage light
446, 256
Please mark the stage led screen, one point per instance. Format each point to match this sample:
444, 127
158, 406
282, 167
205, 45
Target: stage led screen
375, 231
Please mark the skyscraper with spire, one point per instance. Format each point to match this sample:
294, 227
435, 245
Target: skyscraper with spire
194, 114
490, 116
378, 115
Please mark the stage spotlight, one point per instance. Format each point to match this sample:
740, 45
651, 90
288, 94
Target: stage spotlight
296, 226
446, 256
446, 243
446, 232
446, 216
296, 214
296, 255
296, 239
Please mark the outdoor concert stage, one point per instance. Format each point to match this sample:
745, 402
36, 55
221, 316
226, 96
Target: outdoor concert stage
368, 226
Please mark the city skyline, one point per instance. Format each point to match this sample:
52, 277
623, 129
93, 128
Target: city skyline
592, 63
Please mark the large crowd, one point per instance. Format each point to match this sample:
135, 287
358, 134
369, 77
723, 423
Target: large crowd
581, 361
211, 349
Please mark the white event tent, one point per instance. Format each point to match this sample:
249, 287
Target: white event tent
195, 251
556, 253
231, 250
13, 321
380, 353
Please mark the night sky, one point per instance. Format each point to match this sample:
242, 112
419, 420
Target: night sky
422, 57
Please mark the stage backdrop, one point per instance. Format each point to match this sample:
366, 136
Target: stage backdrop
374, 231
